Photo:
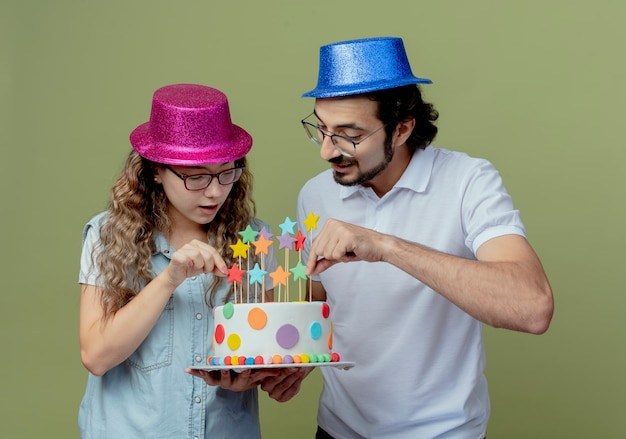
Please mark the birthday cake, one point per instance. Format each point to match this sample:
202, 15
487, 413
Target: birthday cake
253, 332
272, 333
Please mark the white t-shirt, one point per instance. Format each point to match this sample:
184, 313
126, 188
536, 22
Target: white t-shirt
420, 359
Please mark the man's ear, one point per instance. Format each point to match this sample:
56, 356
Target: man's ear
403, 131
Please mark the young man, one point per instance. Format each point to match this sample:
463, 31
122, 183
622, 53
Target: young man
416, 247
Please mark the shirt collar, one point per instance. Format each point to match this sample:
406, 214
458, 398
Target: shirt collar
161, 244
415, 177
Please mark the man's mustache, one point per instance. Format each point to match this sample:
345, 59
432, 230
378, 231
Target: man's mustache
342, 160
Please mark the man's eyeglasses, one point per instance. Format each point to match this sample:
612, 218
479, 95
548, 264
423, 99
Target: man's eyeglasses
201, 181
344, 144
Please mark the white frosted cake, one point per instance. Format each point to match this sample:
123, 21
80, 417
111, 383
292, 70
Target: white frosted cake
272, 333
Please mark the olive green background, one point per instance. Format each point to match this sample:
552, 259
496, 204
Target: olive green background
536, 86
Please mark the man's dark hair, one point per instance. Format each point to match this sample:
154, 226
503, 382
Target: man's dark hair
401, 103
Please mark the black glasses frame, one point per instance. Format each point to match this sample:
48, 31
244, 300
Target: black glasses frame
311, 129
184, 177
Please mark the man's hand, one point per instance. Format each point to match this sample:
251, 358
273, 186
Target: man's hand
343, 242
285, 386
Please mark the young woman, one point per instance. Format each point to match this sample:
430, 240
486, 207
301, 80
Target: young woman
152, 266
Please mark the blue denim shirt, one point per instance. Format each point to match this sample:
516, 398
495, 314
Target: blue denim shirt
149, 394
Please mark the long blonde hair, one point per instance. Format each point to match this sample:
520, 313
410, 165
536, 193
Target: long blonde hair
138, 209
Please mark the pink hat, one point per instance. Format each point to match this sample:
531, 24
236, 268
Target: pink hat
190, 125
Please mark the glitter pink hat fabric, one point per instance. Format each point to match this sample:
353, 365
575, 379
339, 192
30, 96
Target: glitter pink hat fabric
190, 125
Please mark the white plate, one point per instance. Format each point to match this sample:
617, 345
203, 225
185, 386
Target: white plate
238, 368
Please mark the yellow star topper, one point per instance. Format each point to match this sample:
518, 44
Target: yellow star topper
311, 222
240, 249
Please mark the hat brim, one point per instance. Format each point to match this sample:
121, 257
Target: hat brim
366, 87
237, 147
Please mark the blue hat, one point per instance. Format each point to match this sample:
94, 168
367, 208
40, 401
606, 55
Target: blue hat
361, 66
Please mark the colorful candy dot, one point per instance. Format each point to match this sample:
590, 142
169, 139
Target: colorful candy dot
287, 359
325, 310
287, 336
219, 334
315, 330
228, 310
258, 360
234, 341
257, 318
277, 359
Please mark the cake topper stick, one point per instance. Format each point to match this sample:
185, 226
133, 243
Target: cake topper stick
248, 235
299, 275
286, 241
261, 246
256, 275
234, 276
300, 238
311, 223
280, 277
239, 250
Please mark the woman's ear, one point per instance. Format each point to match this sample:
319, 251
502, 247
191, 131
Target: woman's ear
157, 175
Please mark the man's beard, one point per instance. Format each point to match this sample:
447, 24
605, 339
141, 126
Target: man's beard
362, 177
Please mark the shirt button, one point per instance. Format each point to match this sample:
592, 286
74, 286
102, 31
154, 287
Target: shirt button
167, 252
198, 358
193, 277
197, 399
198, 316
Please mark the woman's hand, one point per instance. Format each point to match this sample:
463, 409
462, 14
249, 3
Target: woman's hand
231, 380
194, 258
